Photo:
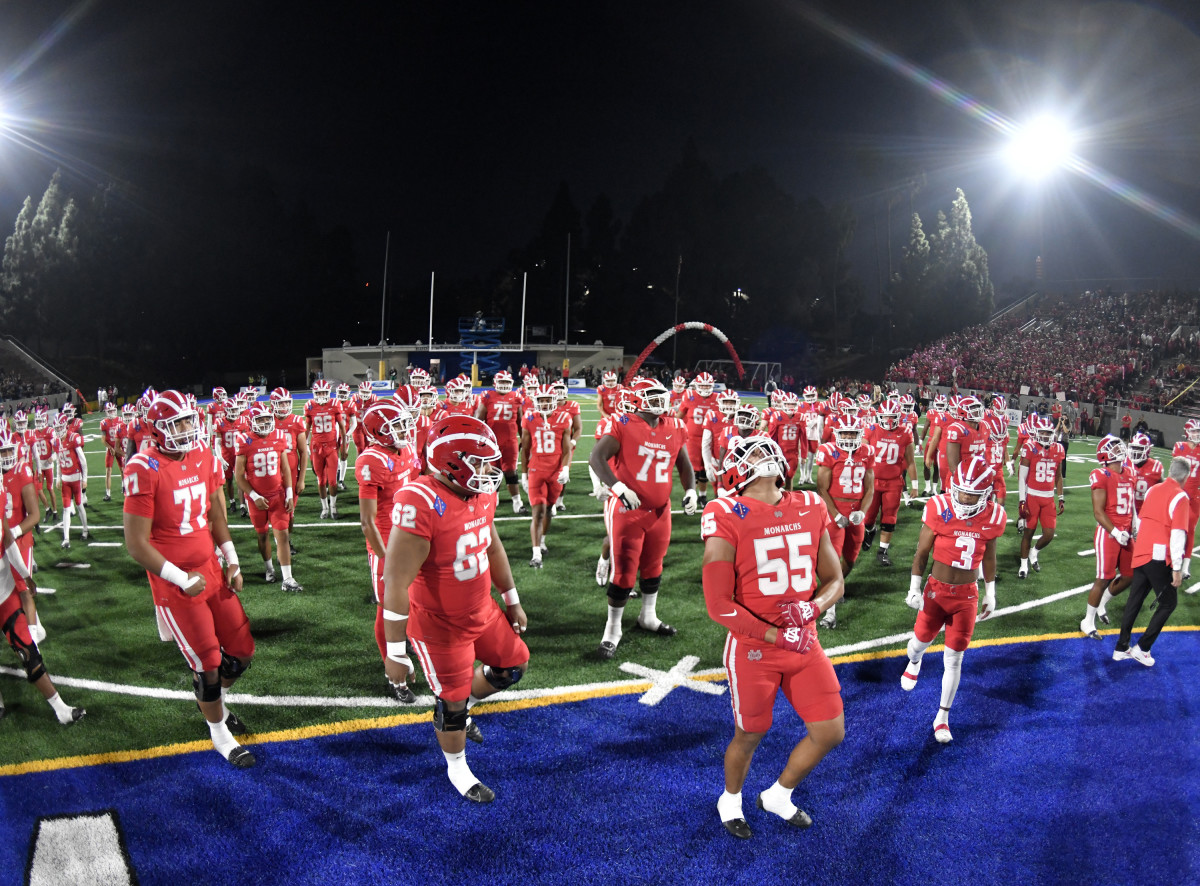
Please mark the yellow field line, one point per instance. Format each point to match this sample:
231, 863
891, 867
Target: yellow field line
567, 696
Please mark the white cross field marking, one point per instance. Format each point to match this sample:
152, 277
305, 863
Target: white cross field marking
664, 681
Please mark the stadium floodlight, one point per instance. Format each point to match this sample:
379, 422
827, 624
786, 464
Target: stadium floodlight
1041, 146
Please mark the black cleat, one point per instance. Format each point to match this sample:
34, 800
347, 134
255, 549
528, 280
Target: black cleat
341, 487
235, 725
701, 501
800, 820
241, 758
663, 629
524, 512
77, 714
738, 827
85, 535
882, 558
65, 545
480, 793
292, 548
1035, 566
1103, 616
868, 537
607, 650
473, 732
107, 497
404, 695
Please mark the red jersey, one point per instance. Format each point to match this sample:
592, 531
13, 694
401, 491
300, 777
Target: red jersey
1043, 467
1148, 473
890, 448
264, 455
1191, 452
502, 413
776, 555
70, 460
227, 433
110, 430
324, 421
609, 397
15, 481
140, 437
811, 414
972, 442
645, 459
464, 408
960, 543
351, 408
716, 425
694, 409
546, 437
292, 428
786, 430
43, 447
570, 409
1165, 509
848, 472
934, 419
450, 599
380, 474
676, 399
996, 449
1118, 494
28, 447
174, 495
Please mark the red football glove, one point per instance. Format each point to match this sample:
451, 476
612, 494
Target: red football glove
798, 613
1023, 510
799, 640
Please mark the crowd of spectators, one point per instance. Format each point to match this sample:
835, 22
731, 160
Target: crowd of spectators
1094, 346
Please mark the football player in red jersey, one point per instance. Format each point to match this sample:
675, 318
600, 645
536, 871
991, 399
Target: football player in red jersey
1147, 471
746, 420
934, 416
174, 521
996, 453
1189, 449
566, 405
846, 483
714, 431
264, 478
694, 409
21, 510
349, 407
72, 473
214, 412
1113, 507
442, 560
813, 412
225, 437
500, 410
895, 459
961, 529
642, 446
324, 427
966, 438
110, 432
769, 571
292, 427
363, 398
1039, 479
43, 449
386, 464
678, 389
607, 393
545, 460
458, 398
140, 437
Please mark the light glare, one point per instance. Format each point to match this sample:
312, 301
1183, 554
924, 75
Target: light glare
1040, 147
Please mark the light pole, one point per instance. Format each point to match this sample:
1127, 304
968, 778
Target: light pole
675, 338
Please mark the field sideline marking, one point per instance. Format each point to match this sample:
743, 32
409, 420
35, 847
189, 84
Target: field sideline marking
528, 699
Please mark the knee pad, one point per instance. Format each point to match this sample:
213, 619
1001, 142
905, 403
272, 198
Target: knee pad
446, 720
618, 596
206, 691
701, 476
502, 678
649, 585
231, 668
512, 478
887, 527
30, 655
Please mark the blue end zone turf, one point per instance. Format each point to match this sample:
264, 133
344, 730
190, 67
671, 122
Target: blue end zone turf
1066, 767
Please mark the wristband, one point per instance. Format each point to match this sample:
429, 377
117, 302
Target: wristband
388, 615
989, 588
176, 576
511, 598
287, 494
397, 650
914, 583
916, 486
229, 552
256, 498
16, 531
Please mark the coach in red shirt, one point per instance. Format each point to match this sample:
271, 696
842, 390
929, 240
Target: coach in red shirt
1157, 561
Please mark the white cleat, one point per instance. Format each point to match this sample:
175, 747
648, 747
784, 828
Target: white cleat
1088, 630
603, 570
908, 680
1121, 655
941, 732
829, 620
1022, 573
1140, 656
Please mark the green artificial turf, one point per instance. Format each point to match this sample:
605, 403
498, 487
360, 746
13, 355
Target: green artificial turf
320, 643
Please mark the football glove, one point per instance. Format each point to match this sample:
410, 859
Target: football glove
799, 613
915, 599
841, 521
1120, 536
564, 476
691, 500
525, 483
628, 497
856, 517
1062, 505
989, 605
799, 640
1023, 510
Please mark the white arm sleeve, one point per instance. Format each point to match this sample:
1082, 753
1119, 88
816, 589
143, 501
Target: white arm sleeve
1178, 540
706, 452
1024, 475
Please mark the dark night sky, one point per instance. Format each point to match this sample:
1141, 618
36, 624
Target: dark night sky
451, 124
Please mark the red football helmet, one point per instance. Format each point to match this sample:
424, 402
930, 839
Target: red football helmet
262, 418
366, 393
219, 395
281, 402
110, 410
1139, 447
908, 405
889, 414
609, 378
409, 399
128, 412
789, 403
21, 421
679, 384
940, 402
704, 384
9, 450
427, 396
560, 391
502, 381
651, 396
750, 458
746, 418
321, 391
41, 419
848, 434
545, 401
999, 405
970, 409
344, 392
174, 423
234, 407
1041, 429
626, 401
727, 404
463, 451
1110, 449
810, 394
971, 487
457, 390
1191, 430
389, 424
997, 426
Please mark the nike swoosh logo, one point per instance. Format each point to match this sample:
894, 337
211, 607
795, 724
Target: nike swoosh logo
803, 513
729, 614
